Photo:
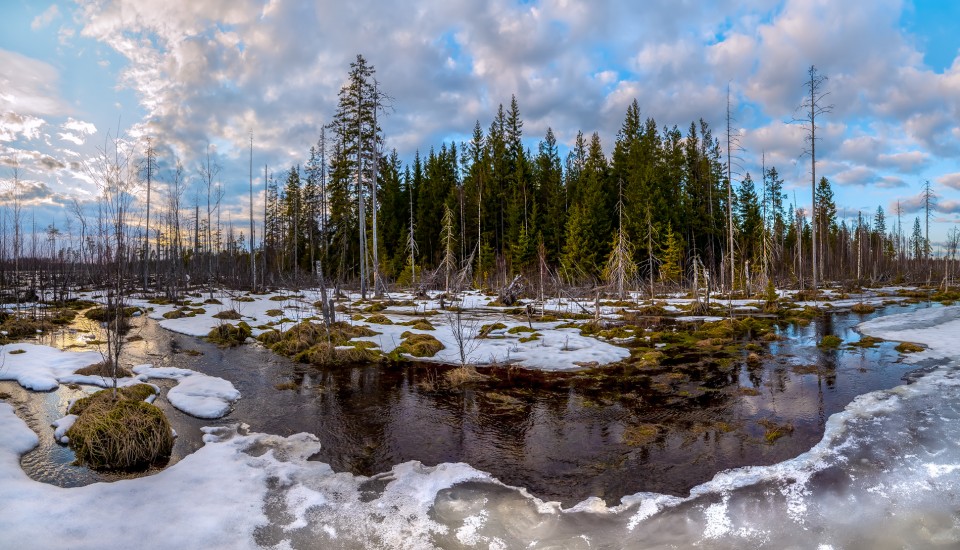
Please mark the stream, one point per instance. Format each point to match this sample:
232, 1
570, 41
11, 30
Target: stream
552, 434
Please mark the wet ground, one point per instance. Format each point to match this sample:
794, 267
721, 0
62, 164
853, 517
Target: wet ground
561, 436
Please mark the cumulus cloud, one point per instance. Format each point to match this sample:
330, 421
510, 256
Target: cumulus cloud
29, 86
951, 180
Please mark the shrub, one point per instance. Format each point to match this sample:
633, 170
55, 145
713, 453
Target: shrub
119, 432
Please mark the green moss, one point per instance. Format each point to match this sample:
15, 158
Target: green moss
269, 337
519, 328
774, 431
418, 345
105, 370
245, 299
866, 342
229, 335
379, 320
228, 314
909, 347
641, 434
420, 324
830, 342
17, 351
533, 337
485, 330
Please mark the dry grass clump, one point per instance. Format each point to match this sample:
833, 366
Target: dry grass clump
774, 431
119, 432
909, 347
830, 342
863, 308
641, 434
485, 330
312, 343
462, 375
380, 319
419, 345
104, 369
18, 328
420, 324
229, 335
62, 316
228, 314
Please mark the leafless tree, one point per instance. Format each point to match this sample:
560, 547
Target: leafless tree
809, 110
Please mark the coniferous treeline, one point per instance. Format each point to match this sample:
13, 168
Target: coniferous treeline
647, 211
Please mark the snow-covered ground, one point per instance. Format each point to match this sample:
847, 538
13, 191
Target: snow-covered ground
885, 475
43, 368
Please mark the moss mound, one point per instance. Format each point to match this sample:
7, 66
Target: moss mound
105, 369
305, 335
485, 330
419, 345
379, 319
269, 337
863, 308
324, 354
120, 433
229, 335
18, 328
909, 347
830, 342
228, 314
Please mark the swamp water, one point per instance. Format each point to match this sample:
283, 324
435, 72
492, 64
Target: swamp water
561, 436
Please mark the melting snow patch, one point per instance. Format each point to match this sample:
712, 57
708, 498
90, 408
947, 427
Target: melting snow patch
196, 394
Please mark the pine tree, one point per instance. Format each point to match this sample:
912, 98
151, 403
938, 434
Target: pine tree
671, 269
448, 237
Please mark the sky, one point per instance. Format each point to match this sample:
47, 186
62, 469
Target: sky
197, 76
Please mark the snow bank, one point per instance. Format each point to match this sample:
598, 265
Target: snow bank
196, 394
938, 328
42, 368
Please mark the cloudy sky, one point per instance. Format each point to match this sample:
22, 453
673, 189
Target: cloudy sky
188, 73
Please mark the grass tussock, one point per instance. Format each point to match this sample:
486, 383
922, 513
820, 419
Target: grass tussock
228, 314
774, 431
830, 342
228, 335
909, 347
863, 308
119, 432
485, 330
104, 369
640, 435
462, 375
380, 319
17, 328
312, 343
418, 345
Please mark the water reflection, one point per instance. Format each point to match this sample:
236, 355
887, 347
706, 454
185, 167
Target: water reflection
562, 436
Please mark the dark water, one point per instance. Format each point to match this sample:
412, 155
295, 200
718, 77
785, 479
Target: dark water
562, 436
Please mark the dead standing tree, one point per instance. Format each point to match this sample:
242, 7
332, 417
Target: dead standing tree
811, 108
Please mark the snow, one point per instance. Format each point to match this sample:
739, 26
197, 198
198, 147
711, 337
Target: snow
938, 328
196, 394
42, 368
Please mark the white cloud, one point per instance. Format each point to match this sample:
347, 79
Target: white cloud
45, 18
951, 180
28, 86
